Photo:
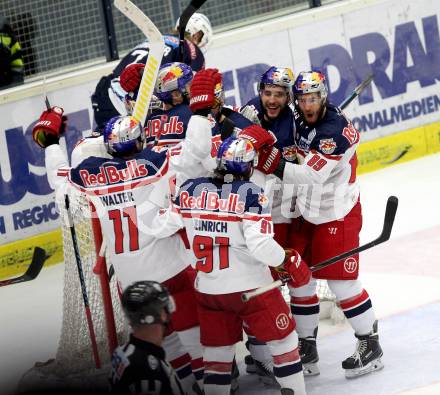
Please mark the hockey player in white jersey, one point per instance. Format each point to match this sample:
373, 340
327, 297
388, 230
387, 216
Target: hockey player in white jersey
123, 184
330, 221
228, 222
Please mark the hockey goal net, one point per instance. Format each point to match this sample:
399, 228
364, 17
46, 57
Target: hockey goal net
75, 361
329, 308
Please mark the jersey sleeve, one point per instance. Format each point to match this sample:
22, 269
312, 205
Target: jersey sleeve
316, 169
194, 149
55, 159
167, 222
258, 231
326, 150
87, 147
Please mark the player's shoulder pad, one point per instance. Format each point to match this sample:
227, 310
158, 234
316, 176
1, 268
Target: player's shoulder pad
95, 173
154, 160
335, 134
256, 202
239, 120
194, 185
182, 111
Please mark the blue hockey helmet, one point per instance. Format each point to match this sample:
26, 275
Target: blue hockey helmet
310, 82
123, 135
280, 76
173, 76
236, 156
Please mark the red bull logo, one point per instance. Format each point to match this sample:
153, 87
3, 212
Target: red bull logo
327, 146
158, 127
212, 201
289, 153
109, 175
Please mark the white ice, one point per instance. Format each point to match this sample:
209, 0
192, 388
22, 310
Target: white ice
402, 277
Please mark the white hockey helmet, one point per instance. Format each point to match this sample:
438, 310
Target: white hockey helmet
199, 23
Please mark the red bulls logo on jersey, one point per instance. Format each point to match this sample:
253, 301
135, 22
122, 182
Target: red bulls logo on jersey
111, 174
212, 202
327, 146
163, 126
289, 153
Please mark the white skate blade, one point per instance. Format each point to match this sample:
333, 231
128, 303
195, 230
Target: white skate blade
371, 367
311, 369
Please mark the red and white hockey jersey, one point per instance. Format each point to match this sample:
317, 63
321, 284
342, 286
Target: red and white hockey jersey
230, 232
325, 179
127, 195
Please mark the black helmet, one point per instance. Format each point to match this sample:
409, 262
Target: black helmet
143, 302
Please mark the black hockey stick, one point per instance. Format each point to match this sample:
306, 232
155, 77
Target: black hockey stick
356, 92
83, 284
183, 21
34, 268
390, 214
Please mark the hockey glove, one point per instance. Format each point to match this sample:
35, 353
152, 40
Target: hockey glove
268, 159
131, 77
50, 126
297, 269
203, 91
258, 136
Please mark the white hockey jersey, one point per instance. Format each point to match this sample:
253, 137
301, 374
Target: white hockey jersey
127, 195
230, 231
325, 180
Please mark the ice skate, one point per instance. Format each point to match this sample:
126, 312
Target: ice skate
309, 354
367, 356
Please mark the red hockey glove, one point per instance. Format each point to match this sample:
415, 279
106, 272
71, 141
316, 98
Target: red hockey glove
268, 159
202, 89
258, 136
131, 77
297, 268
50, 126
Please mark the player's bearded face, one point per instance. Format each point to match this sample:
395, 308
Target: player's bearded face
310, 106
274, 99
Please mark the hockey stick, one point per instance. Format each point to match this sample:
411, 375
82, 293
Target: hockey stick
356, 92
155, 54
390, 214
183, 21
34, 268
83, 284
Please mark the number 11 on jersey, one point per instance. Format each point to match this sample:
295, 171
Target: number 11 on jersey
117, 216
